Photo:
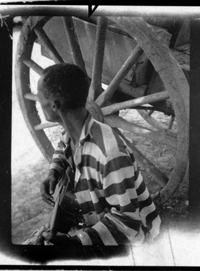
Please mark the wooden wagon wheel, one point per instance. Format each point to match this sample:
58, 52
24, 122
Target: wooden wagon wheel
163, 62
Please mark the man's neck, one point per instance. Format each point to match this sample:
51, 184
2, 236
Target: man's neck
73, 122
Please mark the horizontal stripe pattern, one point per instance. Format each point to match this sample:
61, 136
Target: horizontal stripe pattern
127, 185
90, 184
118, 163
90, 218
93, 161
90, 148
89, 174
105, 235
119, 175
109, 187
94, 237
131, 231
85, 238
118, 235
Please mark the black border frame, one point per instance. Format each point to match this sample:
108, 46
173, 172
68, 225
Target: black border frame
38, 254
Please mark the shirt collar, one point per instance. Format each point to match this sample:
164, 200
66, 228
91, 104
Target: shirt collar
86, 129
84, 133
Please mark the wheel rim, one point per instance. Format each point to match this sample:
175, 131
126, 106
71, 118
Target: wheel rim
147, 41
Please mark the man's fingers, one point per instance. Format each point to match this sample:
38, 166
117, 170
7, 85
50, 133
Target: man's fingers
47, 235
56, 239
48, 199
52, 186
50, 236
44, 191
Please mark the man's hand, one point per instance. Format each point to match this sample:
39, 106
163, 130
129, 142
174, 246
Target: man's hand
61, 239
47, 188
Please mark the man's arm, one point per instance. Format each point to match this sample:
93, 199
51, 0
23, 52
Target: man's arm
122, 182
57, 167
59, 161
126, 192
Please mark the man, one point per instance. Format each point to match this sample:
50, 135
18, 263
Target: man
115, 204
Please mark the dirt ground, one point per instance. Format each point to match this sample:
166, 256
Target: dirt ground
29, 168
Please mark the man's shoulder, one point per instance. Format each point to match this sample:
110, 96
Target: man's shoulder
107, 139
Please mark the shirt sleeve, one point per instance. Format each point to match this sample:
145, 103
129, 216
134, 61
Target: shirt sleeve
59, 162
124, 188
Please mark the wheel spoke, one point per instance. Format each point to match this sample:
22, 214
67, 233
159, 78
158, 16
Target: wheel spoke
152, 121
185, 67
164, 138
131, 60
145, 163
140, 107
160, 136
95, 87
171, 121
73, 42
94, 110
42, 140
45, 41
150, 112
160, 96
119, 122
43, 126
32, 97
33, 65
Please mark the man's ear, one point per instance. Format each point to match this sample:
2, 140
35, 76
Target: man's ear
55, 105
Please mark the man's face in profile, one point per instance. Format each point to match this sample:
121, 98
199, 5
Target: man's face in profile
48, 105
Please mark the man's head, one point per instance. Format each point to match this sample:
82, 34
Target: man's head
62, 87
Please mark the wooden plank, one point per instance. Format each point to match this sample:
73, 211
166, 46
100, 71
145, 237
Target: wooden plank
184, 34
127, 260
186, 246
117, 260
157, 253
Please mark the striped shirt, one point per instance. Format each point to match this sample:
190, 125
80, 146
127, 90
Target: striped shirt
115, 202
